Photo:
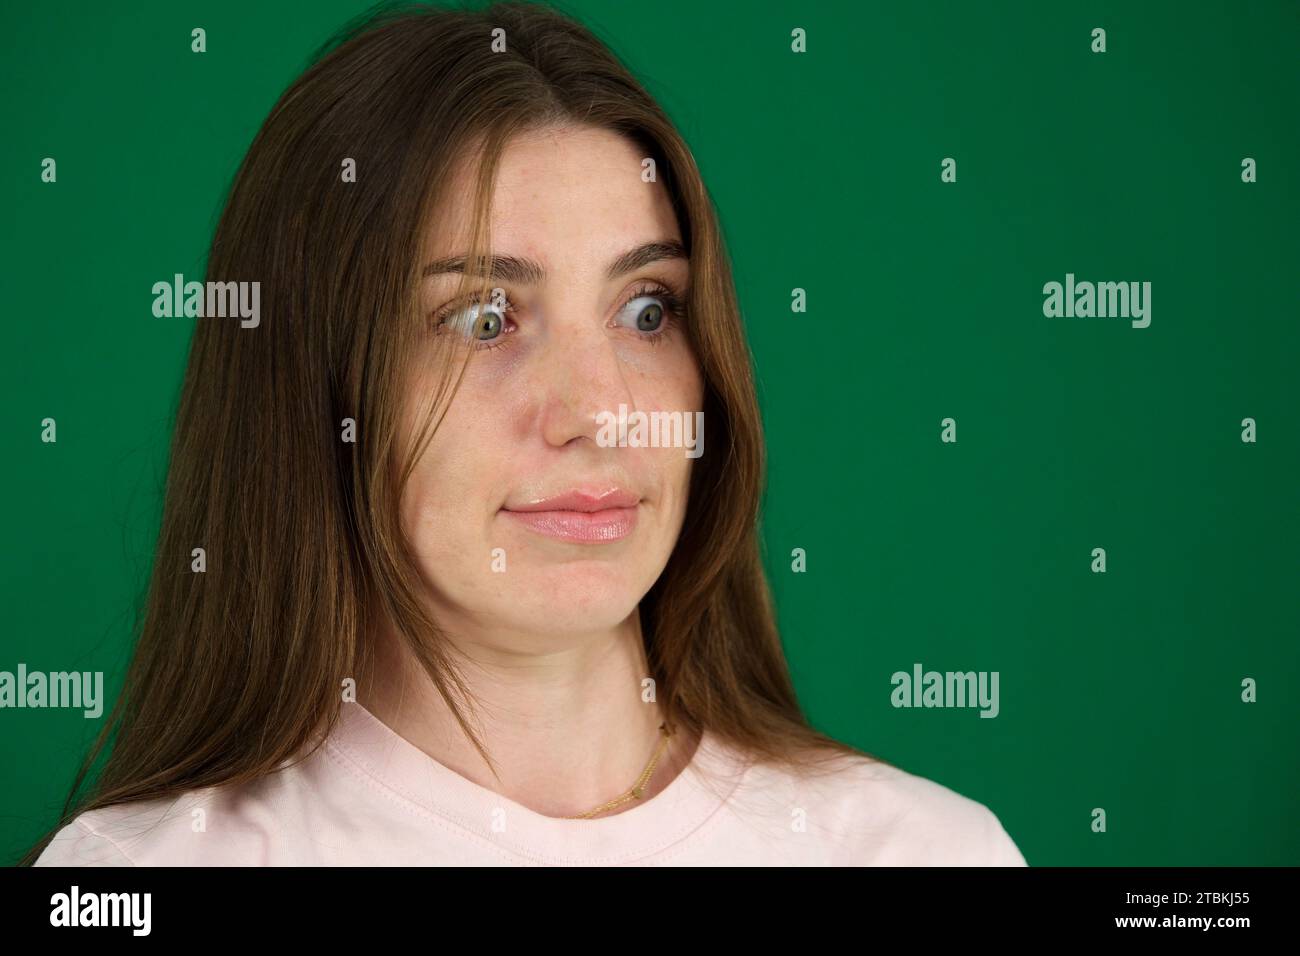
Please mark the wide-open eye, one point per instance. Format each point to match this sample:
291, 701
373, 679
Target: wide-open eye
479, 321
645, 313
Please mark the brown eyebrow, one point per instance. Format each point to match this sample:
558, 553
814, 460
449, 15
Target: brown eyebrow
527, 271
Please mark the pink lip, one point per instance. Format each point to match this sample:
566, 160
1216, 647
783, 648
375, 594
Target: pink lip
582, 516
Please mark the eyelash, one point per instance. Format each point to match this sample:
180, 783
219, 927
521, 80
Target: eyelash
675, 311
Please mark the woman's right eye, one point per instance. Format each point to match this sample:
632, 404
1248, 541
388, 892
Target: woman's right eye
479, 321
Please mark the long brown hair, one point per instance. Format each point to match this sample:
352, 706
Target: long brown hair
238, 669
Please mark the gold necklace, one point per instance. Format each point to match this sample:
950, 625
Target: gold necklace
638, 788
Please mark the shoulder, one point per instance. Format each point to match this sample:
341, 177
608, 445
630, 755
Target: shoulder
79, 844
170, 831
230, 825
869, 812
122, 835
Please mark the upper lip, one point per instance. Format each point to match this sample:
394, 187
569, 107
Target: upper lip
581, 499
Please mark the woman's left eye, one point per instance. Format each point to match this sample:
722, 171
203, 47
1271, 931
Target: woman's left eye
645, 313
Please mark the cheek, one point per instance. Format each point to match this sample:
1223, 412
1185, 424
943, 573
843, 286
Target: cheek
689, 381
676, 385
454, 481
666, 377
445, 502
687, 375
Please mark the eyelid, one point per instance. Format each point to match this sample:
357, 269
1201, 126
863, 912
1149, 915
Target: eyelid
655, 289
441, 315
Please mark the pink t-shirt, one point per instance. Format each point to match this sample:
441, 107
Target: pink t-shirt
369, 797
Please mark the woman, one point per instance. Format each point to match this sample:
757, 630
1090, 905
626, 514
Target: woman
438, 617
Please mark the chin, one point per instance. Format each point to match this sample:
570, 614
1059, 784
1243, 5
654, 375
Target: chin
562, 622
579, 595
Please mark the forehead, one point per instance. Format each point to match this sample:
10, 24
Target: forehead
567, 191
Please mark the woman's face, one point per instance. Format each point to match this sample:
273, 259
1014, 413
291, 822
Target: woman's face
524, 516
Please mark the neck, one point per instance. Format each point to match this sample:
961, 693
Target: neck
566, 725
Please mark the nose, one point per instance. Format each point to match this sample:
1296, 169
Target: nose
581, 376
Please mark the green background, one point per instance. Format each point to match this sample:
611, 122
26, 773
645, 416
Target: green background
1118, 690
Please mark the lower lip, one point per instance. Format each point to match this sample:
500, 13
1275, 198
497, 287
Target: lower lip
594, 527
